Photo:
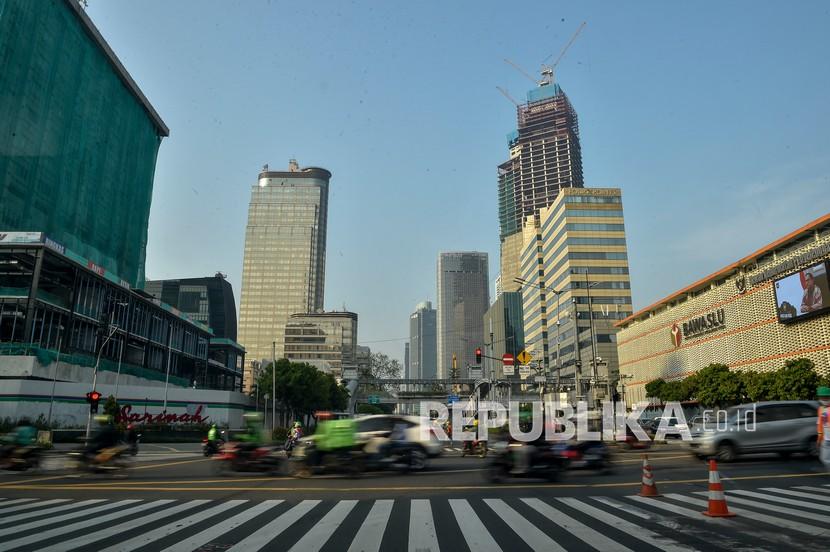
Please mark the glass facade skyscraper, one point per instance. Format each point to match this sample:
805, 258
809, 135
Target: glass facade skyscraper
423, 342
463, 298
284, 263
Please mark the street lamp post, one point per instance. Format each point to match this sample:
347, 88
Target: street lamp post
95, 373
120, 354
55, 377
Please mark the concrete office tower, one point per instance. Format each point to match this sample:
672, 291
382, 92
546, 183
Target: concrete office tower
463, 298
326, 340
545, 158
284, 266
581, 232
423, 342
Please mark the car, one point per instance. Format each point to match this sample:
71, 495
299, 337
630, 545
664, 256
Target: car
673, 425
381, 425
784, 427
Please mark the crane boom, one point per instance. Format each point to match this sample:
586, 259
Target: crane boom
520, 70
565, 49
508, 96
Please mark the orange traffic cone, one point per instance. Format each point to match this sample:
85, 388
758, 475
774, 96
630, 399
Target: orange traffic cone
648, 488
717, 501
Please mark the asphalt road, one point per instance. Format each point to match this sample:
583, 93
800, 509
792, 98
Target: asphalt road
172, 499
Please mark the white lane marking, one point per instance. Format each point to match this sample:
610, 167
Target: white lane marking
422, 537
268, 532
756, 516
798, 494
632, 529
627, 508
172, 527
474, 531
317, 536
21, 506
200, 539
574, 527
6, 520
65, 517
370, 534
65, 529
778, 509
114, 530
532, 535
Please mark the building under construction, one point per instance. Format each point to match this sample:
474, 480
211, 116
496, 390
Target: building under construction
545, 157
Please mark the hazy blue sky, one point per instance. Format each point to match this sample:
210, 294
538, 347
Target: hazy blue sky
712, 117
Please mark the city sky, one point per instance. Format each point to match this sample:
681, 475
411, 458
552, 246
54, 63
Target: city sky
712, 117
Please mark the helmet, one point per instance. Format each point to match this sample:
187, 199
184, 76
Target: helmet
824, 391
213, 425
297, 424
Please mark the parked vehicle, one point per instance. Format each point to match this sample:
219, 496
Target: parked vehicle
785, 427
517, 459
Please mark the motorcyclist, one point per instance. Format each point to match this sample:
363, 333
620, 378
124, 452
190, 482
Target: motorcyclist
333, 437
294, 436
254, 436
21, 442
132, 438
105, 438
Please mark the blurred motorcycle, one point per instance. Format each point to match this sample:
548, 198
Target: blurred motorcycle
209, 448
308, 460
107, 460
588, 455
517, 459
22, 458
236, 458
474, 448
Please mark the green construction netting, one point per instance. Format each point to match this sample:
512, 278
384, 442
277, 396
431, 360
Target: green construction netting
77, 149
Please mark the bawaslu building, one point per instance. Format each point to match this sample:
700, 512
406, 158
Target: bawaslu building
755, 314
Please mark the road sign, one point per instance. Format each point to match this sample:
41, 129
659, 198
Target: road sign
349, 373
507, 359
524, 371
524, 357
474, 372
508, 370
452, 399
373, 399
540, 379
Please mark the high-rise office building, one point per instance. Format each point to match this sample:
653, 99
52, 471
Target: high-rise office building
503, 332
209, 301
406, 360
545, 158
463, 298
284, 264
78, 138
326, 340
423, 342
575, 265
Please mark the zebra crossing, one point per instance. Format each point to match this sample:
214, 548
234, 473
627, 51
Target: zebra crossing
769, 518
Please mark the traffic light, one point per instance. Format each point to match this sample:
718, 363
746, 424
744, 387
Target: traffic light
92, 398
478, 355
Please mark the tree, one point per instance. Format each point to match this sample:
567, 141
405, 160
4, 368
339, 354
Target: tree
797, 380
759, 386
111, 407
302, 389
654, 388
382, 367
717, 385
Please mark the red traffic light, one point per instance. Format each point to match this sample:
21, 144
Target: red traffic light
478, 354
93, 396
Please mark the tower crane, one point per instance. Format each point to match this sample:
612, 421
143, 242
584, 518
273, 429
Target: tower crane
547, 70
508, 96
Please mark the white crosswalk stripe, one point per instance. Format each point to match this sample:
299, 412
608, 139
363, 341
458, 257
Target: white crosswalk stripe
672, 523
632, 529
370, 534
421, 527
20, 506
813, 489
219, 529
6, 520
799, 494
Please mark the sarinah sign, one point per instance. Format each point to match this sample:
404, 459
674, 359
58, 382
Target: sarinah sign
127, 416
